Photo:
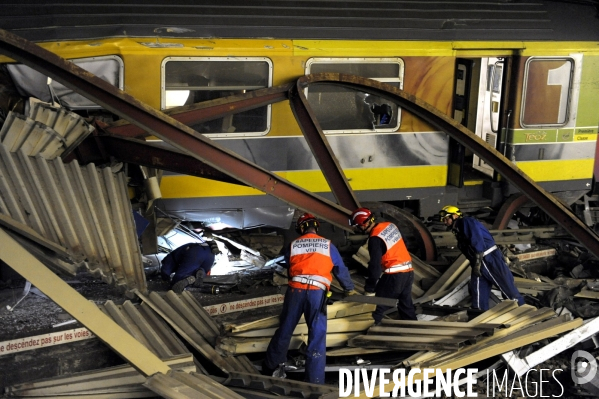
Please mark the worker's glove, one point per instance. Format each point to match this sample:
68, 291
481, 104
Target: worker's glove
478, 262
366, 293
350, 292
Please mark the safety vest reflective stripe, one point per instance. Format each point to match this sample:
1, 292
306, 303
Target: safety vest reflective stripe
488, 251
399, 268
317, 281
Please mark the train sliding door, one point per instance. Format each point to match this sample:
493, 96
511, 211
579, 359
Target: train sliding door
488, 108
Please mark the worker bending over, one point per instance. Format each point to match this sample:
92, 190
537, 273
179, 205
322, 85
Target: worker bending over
488, 265
190, 263
310, 259
390, 272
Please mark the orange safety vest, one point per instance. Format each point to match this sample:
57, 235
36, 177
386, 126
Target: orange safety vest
310, 255
397, 255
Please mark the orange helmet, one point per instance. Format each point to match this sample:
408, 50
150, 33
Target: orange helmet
360, 217
305, 221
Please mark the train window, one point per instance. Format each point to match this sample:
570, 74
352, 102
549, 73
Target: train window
547, 89
189, 80
345, 110
32, 83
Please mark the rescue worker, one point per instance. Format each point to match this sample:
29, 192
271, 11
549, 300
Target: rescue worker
390, 272
488, 265
310, 260
190, 263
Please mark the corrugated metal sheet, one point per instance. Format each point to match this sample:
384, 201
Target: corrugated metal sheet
180, 384
144, 324
306, 19
189, 319
48, 131
84, 209
114, 382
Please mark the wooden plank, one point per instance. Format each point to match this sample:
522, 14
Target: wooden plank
348, 324
450, 275
444, 332
407, 343
433, 324
238, 346
588, 294
354, 351
497, 310
481, 351
338, 309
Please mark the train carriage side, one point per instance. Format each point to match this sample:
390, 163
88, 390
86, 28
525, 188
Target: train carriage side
387, 154
545, 98
544, 92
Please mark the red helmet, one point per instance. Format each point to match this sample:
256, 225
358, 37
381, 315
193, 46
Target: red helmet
360, 217
305, 221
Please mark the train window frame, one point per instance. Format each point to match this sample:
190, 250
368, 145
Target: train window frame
269, 79
55, 87
362, 60
570, 92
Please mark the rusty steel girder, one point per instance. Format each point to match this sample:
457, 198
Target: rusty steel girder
209, 110
545, 200
182, 137
320, 148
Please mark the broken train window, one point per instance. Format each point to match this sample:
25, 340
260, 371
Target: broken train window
344, 110
189, 80
31, 83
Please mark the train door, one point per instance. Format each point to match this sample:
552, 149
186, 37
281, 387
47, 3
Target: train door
488, 108
457, 152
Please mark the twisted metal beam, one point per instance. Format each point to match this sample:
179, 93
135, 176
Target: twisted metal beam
545, 200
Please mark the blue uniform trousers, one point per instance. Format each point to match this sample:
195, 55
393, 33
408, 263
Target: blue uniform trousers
396, 285
494, 272
298, 302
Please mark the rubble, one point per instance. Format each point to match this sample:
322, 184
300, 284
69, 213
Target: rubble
227, 346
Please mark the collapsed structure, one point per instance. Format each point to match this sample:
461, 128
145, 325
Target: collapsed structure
70, 218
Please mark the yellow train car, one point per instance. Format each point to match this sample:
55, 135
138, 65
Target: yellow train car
524, 77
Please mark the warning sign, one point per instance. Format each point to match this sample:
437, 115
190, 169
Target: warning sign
245, 304
42, 341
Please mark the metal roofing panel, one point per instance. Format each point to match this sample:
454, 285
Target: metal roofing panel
85, 210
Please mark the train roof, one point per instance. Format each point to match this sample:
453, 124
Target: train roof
488, 20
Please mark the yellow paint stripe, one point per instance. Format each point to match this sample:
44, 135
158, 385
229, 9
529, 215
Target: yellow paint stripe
558, 170
182, 186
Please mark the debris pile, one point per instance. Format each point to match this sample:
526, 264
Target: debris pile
211, 353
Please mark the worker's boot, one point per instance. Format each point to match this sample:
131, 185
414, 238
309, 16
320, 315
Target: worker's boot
180, 285
200, 274
280, 371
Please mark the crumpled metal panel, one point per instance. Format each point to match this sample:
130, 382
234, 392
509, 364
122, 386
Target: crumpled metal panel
84, 209
147, 327
47, 131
